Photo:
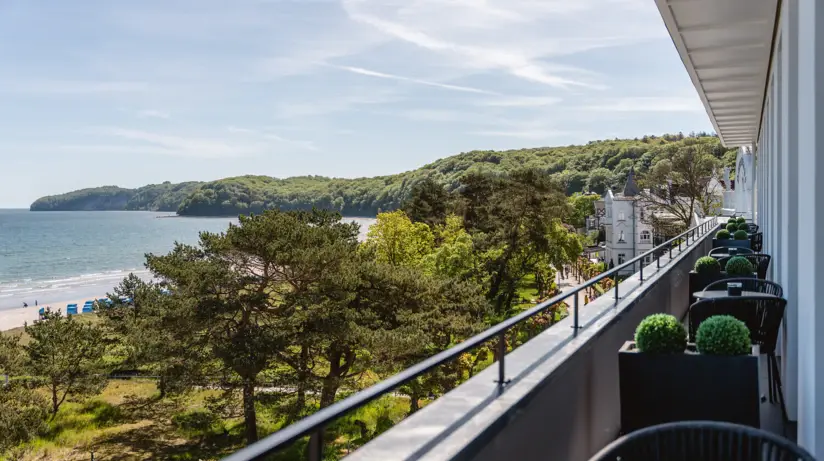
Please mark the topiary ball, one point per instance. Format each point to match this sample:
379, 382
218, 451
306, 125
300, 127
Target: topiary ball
723, 234
723, 335
732, 220
741, 235
743, 226
741, 220
707, 265
661, 334
732, 227
739, 265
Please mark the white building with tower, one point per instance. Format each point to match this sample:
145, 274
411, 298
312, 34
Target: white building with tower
627, 233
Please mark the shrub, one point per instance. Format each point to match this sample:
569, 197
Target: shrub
732, 220
707, 265
741, 235
723, 234
741, 220
732, 227
723, 335
742, 226
739, 266
661, 334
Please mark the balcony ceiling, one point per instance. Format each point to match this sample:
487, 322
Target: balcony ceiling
725, 46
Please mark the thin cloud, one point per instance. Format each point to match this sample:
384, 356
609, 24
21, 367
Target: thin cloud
520, 101
182, 145
267, 134
151, 113
647, 104
446, 86
73, 87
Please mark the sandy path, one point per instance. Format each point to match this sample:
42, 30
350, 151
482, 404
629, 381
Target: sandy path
14, 318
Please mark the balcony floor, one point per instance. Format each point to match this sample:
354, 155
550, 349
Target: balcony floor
771, 418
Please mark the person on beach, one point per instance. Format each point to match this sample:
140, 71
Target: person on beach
25, 304
35, 303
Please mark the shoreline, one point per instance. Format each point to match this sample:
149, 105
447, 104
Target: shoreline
19, 316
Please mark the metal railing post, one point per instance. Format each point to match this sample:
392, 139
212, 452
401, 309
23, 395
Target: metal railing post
501, 360
615, 280
642, 270
316, 445
575, 324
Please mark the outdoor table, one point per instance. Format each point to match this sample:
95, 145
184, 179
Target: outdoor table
723, 294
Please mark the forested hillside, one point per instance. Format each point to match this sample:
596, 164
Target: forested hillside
594, 166
154, 197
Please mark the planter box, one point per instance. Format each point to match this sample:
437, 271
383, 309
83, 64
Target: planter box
731, 243
656, 389
697, 282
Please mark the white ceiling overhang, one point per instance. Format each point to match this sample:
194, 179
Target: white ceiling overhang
726, 47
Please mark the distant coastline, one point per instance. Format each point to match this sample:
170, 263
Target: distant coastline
596, 162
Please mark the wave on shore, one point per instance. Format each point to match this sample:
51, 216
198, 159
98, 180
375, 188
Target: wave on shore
13, 293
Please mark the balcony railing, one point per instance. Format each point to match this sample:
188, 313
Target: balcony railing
314, 425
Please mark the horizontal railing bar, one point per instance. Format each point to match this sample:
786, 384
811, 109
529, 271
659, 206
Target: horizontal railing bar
322, 418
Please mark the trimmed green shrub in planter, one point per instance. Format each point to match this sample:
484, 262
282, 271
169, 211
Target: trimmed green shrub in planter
707, 265
706, 270
739, 266
713, 380
722, 335
722, 239
741, 235
732, 227
732, 220
741, 220
661, 334
742, 226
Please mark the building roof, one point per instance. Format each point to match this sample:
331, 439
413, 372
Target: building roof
630, 188
725, 46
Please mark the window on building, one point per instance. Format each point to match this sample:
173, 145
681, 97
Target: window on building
621, 237
646, 260
621, 258
621, 216
643, 215
646, 236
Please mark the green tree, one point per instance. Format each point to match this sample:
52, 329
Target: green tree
600, 179
23, 414
428, 202
231, 293
67, 354
679, 185
408, 316
397, 241
12, 359
455, 256
583, 206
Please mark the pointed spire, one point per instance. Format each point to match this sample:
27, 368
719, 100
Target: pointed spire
631, 189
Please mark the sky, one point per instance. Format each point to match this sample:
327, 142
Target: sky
131, 92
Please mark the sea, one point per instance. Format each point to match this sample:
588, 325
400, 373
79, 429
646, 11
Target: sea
56, 256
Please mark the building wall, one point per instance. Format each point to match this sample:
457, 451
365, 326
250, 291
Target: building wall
625, 220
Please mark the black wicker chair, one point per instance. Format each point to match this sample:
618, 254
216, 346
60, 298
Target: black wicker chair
723, 252
757, 242
761, 262
762, 316
702, 441
752, 228
749, 284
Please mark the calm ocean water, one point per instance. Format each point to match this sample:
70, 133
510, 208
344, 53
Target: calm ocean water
58, 256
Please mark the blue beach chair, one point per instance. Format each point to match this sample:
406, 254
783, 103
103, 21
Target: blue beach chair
88, 307
71, 309
41, 311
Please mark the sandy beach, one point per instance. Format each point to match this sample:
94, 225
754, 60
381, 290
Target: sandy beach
17, 317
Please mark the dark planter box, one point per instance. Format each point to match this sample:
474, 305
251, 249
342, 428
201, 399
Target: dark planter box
731, 243
697, 282
656, 389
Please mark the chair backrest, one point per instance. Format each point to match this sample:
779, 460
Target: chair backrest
760, 261
757, 241
761, 315
702, 440
752, 228
749, 284
721, 252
